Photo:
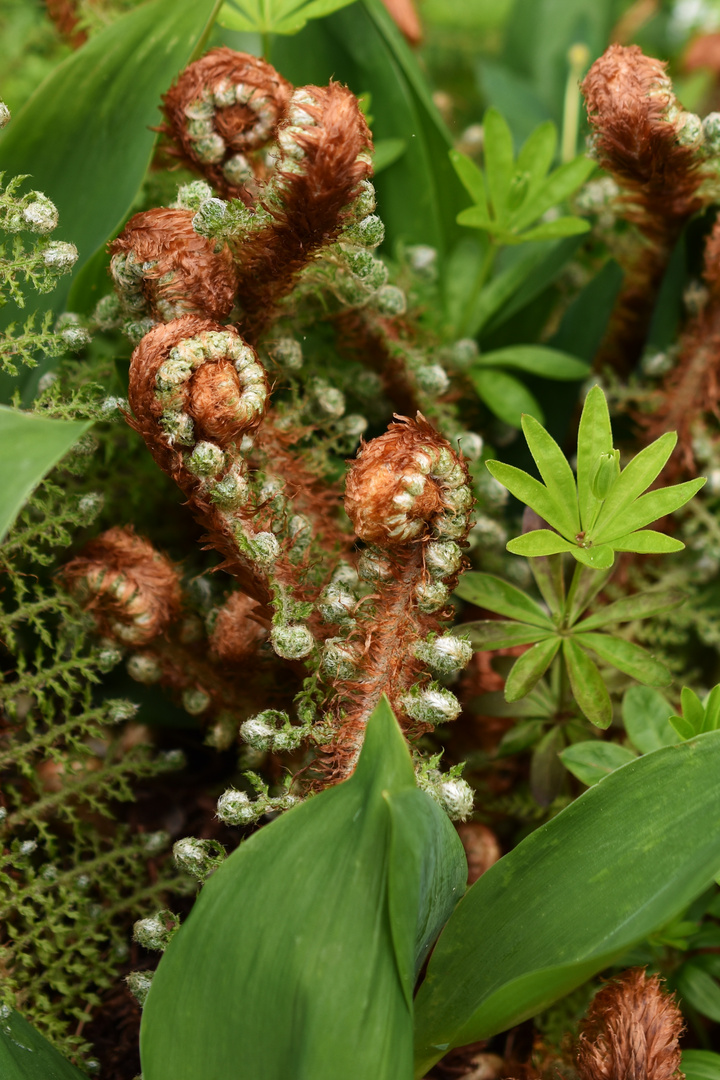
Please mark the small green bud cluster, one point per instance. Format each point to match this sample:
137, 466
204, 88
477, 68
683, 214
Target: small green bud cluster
71, 330
445, 654
191, 196
144, 668
711, 132
233, 490
374, 566
462, 354
453, 794
324, 402
4, 114
118, 711
155, 843
338, 660
171, 760
195, 700
218, 219
199, 858
138, 983
287, 353
32, 212
156, 932
337, 604
237, 808
432, 704
292, 641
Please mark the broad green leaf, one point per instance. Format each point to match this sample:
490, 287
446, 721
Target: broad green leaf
700, 1065
499, 163
387, 152
546, 260
499, 634
646, 715
594, 438
519, 738
650, 507
586, 319
592, 760
648, 542
530, 492
536, 359
504, 395
699, 989
502, 289
555, 230
600, 557
530, 667
84, 135
640, 606
537, 154
555, 471
30, 445
587, 684
26, 1055
275, 16
265, 980
539, 542
539, 704
473, 181
557, 187
616, 865
627, 657
495, 594
635, 478
692, 709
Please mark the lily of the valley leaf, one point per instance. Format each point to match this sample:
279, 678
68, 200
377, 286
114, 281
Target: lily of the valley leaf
605, 510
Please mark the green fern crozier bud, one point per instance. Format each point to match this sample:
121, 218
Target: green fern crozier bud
207, 459
265, 548
432, 705
236, 808
191, 196
138, 983
4, 114
372, 566
292, 641
60, 256
711, 132
604, 473
445, 654
259, 731
456, 798
198, 857
195, 700
390, 300
442, 558
338, 660
41, 214
431, 596
144, 668
432, 379
337, 604
154, 932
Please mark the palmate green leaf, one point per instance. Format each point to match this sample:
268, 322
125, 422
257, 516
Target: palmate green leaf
545, 259
557, 187
620, 862
646, 715
30, 445
594, 438
556, 473
275, 16
495, 594
592, 760
476, 217
529, 668
552, 230
600, 557
639, 606
627, 657
472, 179
504, 395
537, 155
587, 684
712, 710
499, 293
85, 136
700, 1065
26, 1055
649, 507
539, 542
531, 492
537, 359
298, 958
648, 542
500, 634
635, 478
499, 160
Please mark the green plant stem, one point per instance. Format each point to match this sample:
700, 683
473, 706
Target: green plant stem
481, 277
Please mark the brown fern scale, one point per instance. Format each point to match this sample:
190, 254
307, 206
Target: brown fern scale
691, 390
313, 201
628, 96
131, 589
218, 68
201, 279
631, 1032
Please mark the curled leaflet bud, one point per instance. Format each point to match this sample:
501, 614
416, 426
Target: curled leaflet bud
605, 472
292, 641
162, 266
431, 705
337, 604
131, 589
156, 931
632, 1030
236, 808
4, 114
191, 381
138, 983
60, 256
444, 654
144, 668
223, 109
198, 857
40, 215
402, 482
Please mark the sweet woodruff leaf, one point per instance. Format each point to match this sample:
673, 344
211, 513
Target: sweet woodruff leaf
605, 510
620, 862
697, 717
301, 953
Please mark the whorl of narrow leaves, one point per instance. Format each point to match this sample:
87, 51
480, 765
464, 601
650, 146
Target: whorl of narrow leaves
631, 1032
223, 109
132, 590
